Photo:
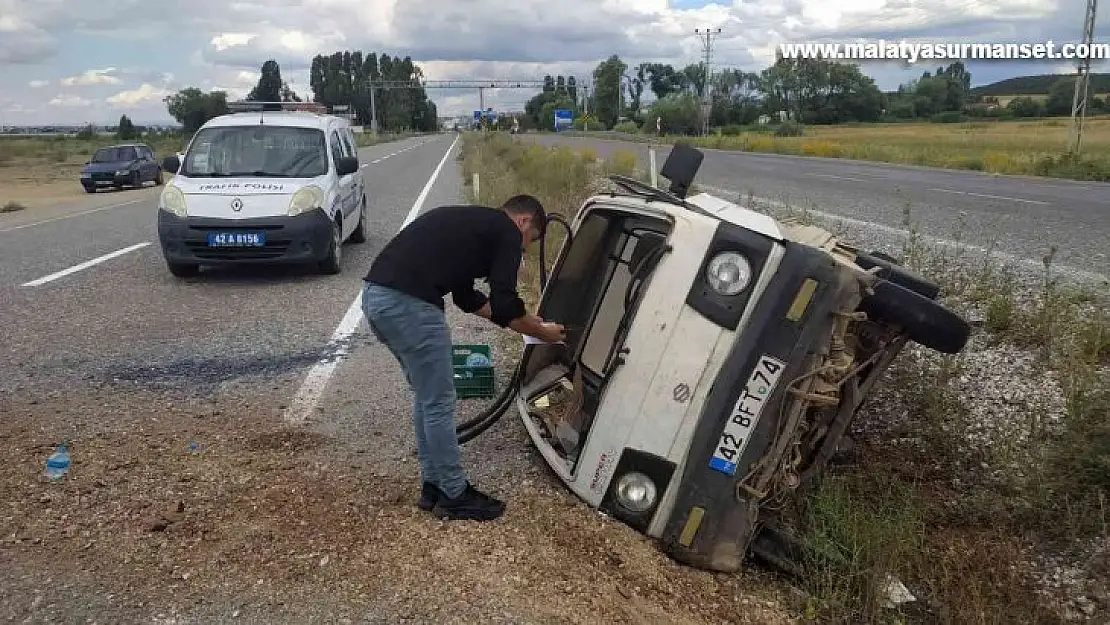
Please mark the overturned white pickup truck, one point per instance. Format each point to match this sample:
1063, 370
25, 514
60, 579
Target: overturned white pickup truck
715, 358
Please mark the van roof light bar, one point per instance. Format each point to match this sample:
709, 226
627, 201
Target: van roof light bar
252, 106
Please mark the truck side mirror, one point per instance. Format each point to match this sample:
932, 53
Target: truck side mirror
682, 167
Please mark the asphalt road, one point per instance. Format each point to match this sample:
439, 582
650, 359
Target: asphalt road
126, 320
1017, 215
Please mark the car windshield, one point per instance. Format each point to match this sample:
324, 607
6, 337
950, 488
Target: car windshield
114, 155
256, 150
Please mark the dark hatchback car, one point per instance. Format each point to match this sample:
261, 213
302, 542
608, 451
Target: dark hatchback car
117, 166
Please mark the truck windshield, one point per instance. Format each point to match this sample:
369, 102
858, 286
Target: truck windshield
114, 155
256, 150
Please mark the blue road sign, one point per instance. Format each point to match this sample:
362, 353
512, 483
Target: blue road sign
477, 115
564, 118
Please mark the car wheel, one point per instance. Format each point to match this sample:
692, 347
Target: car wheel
331, 263
359, 235
183, 270
925, 321
89, 188
158, 177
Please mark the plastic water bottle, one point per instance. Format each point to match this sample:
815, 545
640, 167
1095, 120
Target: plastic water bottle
58, 463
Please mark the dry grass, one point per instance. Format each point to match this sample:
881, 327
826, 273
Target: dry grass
561, 178
1033, 147
42, 170
963, 539
36, 170
986, 508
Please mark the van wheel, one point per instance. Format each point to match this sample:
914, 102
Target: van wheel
330, 264
359, 235
890, 269
925, 321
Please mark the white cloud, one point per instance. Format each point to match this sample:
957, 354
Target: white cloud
38, 84
145, 93
221, 44
69, 101
93, 77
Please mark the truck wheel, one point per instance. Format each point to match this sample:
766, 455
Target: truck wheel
330, 264
925, 321
890, 270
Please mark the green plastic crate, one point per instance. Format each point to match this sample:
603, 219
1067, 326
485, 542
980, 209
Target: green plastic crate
473, 381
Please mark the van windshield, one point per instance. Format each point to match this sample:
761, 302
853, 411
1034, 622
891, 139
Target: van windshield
256, 150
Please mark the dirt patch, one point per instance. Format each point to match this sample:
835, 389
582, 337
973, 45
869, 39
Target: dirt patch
33, 188
185, 509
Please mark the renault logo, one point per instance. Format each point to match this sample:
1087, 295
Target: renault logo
237, 205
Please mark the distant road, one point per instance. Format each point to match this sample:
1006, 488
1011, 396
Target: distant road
1023, 215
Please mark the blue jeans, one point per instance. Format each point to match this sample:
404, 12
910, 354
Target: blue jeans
417, 335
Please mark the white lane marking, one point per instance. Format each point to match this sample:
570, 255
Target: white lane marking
993, 197
837, 177
85, 265
312, 389
949, 243
419, 203
85, 212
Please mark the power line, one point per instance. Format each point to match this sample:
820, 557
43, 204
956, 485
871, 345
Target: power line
707, 50
1082, 82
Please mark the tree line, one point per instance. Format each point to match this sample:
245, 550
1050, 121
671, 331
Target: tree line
803, 91
341, 78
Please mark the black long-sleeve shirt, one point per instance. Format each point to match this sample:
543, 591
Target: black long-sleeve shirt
446, 249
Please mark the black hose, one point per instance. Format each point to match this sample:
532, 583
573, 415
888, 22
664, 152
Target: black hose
468, 430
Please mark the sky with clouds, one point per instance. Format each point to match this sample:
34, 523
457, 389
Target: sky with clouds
62, 63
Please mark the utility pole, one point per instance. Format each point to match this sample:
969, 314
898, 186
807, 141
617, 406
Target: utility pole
707, 49
1082, 81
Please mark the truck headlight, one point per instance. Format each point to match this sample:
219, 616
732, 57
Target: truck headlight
636, 491
306, 199
729, 273
173, 200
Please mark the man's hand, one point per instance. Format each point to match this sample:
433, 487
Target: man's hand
552, 332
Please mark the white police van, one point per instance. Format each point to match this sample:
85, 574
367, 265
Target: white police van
263, 186
714, 360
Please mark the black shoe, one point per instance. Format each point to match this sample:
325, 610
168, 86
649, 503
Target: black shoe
471, 505
430, 494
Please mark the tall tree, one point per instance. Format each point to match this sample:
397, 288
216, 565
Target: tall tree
607, 85
270, 84
126, 130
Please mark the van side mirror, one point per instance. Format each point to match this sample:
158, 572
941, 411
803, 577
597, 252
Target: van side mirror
346, 165
171, 164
